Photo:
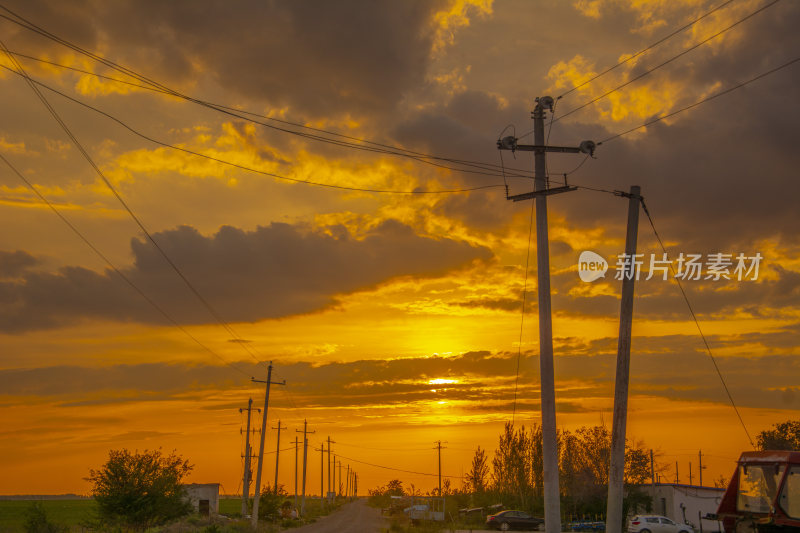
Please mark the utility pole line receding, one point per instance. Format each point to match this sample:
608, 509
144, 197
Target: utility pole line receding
552, 505
257, 494
630, 273
305, 432
247, 456
278, 454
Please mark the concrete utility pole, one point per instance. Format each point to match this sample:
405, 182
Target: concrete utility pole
347, 484
677, 478
329, 464
552, 506
616, 471
278, 454
335, 492
254, 518
438, 444
305, 461
247, 456
690, 472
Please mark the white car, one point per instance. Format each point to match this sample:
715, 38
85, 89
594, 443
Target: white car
656, 524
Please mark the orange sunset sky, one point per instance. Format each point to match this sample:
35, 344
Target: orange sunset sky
394, 316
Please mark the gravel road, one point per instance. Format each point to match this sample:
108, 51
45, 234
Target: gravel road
355, 517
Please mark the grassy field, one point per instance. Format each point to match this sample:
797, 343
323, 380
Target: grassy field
76, 513
66, 512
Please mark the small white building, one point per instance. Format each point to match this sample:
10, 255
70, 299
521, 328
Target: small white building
687, 503
204, 497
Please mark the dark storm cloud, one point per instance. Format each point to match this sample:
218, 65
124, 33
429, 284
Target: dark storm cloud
314, 56
12, 264
272, 272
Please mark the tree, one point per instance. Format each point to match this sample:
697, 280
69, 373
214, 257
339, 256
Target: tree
140, 490
783, 436
394, 488
476, 478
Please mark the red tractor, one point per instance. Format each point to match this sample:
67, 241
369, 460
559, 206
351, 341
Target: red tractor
763, 494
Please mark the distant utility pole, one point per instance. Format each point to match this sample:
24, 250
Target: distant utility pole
247, 456
305, 461
616, 470
340, 479
278, 454
552, 506
690, 472
333, 481
321, 471
347, 484
329, 464
677, 478
438, 444
652, 470
257, 494
296, 450
700, 466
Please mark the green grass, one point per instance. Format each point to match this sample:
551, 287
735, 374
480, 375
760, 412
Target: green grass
70, 513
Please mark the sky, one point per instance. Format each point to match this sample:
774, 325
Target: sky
304, 223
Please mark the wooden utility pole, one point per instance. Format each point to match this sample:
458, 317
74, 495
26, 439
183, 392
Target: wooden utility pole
254, 518
247, 456
340, 479
630, 273
438, 447
278, 454
333, 481
296, 450
700, 466
347, 484
690, 472
305, 432
652, 470
552, 506
329, 464
321, 471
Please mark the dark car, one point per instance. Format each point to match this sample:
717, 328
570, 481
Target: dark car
507, 520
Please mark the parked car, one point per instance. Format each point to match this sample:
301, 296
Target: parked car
507, 520
656, 524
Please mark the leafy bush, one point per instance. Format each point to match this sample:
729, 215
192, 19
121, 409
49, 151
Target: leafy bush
36, 521
140, 490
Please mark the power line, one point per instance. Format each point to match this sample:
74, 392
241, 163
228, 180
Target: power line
113, 267
395, 469
704, 100
697, 323
357, 143
668, 61
245, 167
124, 204
648, 48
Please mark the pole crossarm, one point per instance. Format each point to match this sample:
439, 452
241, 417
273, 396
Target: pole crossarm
544, 192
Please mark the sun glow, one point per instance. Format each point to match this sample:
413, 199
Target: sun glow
442, 381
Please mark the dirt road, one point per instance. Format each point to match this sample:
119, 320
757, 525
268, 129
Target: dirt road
355, 517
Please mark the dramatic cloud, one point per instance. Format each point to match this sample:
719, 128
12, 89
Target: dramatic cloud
272, 272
